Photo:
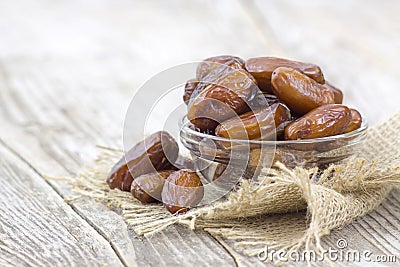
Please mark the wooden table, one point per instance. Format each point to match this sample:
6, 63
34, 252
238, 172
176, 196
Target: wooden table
68, 70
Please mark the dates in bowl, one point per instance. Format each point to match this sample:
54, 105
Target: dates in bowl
279, 109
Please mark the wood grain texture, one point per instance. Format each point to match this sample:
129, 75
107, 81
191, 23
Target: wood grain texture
68, 70
38, 228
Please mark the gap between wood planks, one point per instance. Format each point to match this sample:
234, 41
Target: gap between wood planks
22, 159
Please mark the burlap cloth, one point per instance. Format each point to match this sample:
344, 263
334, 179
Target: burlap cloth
265, 214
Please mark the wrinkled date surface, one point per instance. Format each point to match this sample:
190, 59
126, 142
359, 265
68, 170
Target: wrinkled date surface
182, 190
262, 124
210, 64
213, 77
356, 121
263, 67
298, 91
323, 121
153, 153
148, 187
228, 95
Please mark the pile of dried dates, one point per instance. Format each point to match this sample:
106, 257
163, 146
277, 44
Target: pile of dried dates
152, 171
295, 101
263, 98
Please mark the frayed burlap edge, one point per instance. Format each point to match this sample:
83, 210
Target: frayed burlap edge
272, 212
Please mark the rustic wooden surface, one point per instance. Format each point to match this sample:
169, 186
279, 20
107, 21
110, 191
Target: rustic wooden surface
68, 70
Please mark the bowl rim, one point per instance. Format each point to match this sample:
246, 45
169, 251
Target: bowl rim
183, 122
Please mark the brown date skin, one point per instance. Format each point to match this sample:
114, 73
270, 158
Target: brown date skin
263, 124
230, 93
206, 131
299, 92
338, 94
327, 120
210, 64
216, 75
262, 68
182, 190
356, 121
189, 88
146, 156
147, 187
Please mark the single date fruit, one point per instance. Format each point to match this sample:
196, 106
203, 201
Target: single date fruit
211, 63
154, 153
323, 121
148, 187
262, 124
262, 68
182, 190
298, 91
230, 93
213, 77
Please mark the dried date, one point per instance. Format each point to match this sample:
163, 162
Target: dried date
323, 121
262, 124
298, 91
212, 63
229, 94
217, 76
153, 153
182, 190
262, 68
147, 188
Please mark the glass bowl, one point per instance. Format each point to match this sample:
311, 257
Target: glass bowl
225, 160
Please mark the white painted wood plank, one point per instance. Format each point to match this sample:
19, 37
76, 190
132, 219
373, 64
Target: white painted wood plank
38, 228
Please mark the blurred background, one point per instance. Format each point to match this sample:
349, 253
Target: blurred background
69, 68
